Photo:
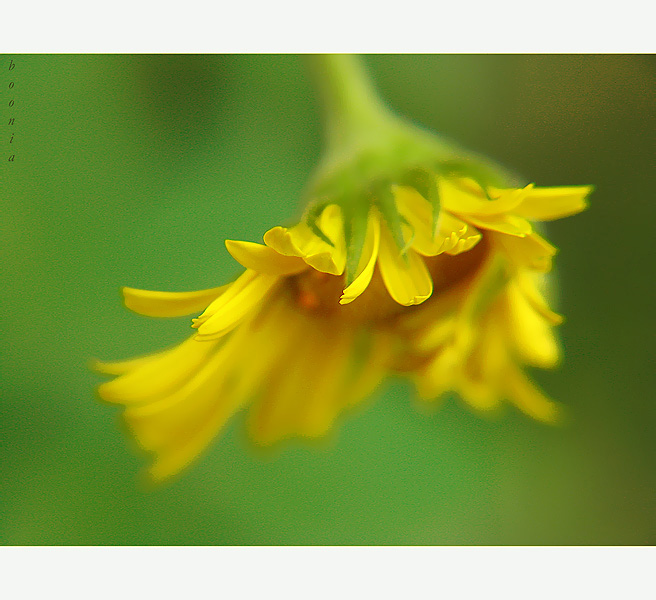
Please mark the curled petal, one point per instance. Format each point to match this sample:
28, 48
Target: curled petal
264, 259
301, 241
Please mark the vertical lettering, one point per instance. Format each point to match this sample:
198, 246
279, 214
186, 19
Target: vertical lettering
12, 101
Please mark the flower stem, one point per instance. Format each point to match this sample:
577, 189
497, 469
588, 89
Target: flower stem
351, 106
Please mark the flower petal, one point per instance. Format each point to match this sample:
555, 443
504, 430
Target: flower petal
528, 398
169, 304
158, 374
264, 259
301, 241
368, 259
549, 203
508, 224
531, 335
464, 196
226, 315
527, 284
457, 236
406, 279
123, 366
532, 251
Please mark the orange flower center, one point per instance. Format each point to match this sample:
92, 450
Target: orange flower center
319, 293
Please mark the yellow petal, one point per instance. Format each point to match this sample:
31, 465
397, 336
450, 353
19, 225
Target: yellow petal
368, 259
123, 366
320, 407
418, 212
508, 224
157, 375
406, 279
532, 251
549, 203
169, 304
178, 429
227, 315
527, 284
457, 235
528, 398
263, 259
161, 423
234, 289
453, 235
369, 369
463, 196
287, 387
530, 333
301, 241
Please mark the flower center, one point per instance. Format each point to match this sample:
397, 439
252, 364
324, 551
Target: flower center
318, 293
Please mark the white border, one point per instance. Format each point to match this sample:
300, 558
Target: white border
327, 572
363, 26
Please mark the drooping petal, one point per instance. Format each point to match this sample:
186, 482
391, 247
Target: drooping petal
531, 251
264, 259
368, 259
531, 335
268, 419
369, 369
528, 398
527, 284
319, 409
234, 289
178, 426
169, 304
549, 203
301, 241
406, 278
227, 315
123, 366
159, 374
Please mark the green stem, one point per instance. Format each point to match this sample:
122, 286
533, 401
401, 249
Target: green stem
351, 105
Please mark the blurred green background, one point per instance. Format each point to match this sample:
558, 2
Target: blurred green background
132, 170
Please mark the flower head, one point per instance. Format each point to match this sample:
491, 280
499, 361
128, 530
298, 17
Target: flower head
411, 258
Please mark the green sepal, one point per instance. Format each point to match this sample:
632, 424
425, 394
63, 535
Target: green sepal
411, 239
384, 199
356, 216
481, 173
433, 197
425, 182
311, 218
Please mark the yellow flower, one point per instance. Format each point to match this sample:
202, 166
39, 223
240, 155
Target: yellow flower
455, 307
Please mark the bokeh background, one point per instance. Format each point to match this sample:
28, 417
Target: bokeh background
132, 170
